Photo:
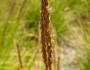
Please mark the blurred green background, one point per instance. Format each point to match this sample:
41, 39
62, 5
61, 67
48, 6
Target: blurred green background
19, 25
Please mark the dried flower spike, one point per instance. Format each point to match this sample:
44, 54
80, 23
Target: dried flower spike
47, 46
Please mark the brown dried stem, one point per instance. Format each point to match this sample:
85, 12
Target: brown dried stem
58, 63
47, 46
19, 55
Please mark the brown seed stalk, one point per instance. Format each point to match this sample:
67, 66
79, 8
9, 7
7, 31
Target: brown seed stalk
19, 55
58, 63
47, 46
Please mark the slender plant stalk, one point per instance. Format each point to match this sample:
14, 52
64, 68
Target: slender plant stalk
19, 55
79, 64
19, 17
39, 34
20, 14
6, 24
58, 63
21, 9
39, 43
47, 46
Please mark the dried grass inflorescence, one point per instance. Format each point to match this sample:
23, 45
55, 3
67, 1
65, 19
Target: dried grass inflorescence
47, 46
